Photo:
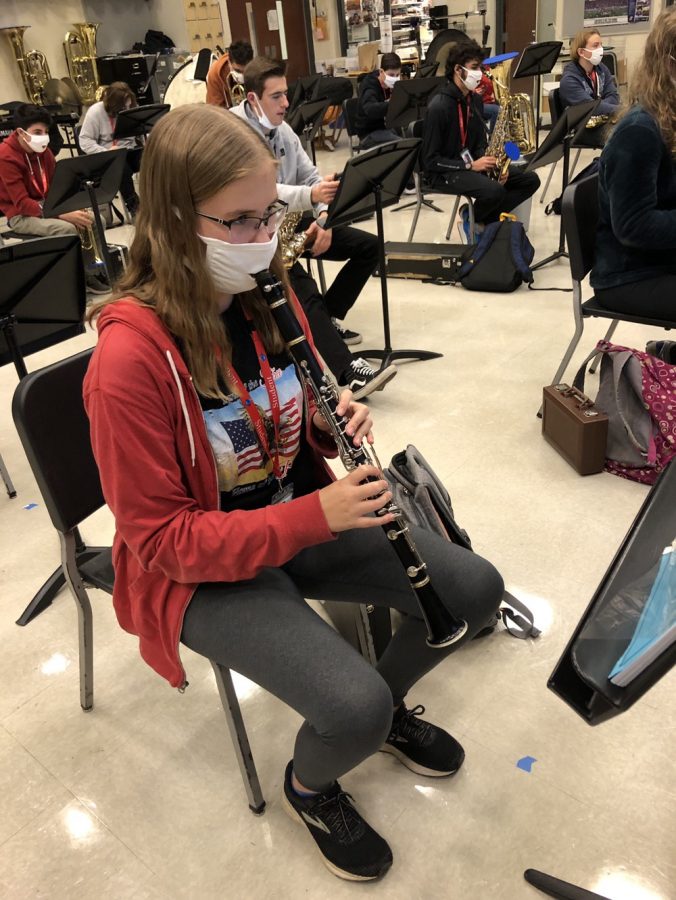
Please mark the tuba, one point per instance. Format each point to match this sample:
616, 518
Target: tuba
80, 48
235, 89
32, 64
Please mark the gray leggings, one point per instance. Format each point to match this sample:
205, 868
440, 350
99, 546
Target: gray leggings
264, 629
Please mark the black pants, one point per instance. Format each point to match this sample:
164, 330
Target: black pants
360, 249
127, 189
327, 340
652, 298
490, 198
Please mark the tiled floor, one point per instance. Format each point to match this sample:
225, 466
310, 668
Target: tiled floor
141, 798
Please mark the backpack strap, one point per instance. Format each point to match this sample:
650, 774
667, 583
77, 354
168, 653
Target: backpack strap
522, 619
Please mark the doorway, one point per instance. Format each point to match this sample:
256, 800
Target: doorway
275, 29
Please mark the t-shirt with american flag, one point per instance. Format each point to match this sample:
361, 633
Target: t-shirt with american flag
245, 475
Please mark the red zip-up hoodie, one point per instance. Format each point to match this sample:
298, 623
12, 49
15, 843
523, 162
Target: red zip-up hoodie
159, 479
24, 178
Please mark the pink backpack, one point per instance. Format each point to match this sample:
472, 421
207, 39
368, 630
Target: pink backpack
638, 394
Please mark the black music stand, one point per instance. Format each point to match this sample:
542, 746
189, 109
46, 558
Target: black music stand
535, 61
32, 316
139, 121
84, 182
406, 105
306, 121
556, 146
582, 675
370, 182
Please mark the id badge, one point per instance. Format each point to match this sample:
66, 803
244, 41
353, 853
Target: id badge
283, 495
467, 158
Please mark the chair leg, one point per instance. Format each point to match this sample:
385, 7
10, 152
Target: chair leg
453, 215
546, 187
418, 205
575, 340
84, 615
472, 223
322, 277
597, 359
240, 740
575, 161
4, 474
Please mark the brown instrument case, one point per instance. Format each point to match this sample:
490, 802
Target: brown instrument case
575, 427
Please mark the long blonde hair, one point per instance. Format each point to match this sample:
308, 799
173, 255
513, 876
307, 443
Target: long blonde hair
192, 153
652, 84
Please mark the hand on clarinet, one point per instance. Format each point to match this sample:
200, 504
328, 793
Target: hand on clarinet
359, 423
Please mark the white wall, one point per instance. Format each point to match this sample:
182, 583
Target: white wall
125, 22
49, 23
330, 48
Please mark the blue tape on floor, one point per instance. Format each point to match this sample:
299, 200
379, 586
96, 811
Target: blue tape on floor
526, 763
30, 506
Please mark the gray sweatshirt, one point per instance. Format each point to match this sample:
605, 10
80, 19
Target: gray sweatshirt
296, 174
96, 134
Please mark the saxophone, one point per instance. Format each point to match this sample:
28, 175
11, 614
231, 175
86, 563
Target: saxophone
515, 122
32, 64
443, 628
497, 143
291, 244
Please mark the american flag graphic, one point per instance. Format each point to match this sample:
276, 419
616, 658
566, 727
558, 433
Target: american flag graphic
245, 442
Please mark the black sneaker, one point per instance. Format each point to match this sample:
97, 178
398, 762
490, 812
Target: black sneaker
422, 747
362, 380
96, 284
350, 337
349, 847
664, 350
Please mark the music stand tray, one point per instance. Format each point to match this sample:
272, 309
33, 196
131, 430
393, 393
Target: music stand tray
306, 121
409, 99
139, 120
369, 183
535, 61
84, 182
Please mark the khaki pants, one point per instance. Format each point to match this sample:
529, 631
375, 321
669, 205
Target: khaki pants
40, 227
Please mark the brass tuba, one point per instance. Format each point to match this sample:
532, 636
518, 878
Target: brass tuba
520, 127
80, 48
32, 64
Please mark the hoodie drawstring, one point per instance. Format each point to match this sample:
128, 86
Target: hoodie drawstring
186, 416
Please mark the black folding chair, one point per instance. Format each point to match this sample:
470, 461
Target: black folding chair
580, 211
49, 414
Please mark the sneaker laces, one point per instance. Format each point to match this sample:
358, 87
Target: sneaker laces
412, 728
338, 812
360, 367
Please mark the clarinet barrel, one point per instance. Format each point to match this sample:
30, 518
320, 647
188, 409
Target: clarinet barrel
443, 628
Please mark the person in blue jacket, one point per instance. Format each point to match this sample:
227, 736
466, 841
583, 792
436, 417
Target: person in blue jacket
586, 78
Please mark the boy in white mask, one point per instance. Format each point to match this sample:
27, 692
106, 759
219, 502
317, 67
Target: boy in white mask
226, 513
454, 156
26, 172
231, 63
374, 94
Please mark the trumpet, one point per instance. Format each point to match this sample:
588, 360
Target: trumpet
443, 628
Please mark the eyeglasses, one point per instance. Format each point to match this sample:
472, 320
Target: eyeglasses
245, 229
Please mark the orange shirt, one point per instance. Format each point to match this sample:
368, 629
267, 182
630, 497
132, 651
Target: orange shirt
217, 82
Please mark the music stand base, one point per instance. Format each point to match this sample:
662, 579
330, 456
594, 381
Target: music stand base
554, 887
560, 254
427, 203
388, 355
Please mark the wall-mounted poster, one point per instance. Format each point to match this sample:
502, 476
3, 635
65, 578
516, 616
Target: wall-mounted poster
616, 12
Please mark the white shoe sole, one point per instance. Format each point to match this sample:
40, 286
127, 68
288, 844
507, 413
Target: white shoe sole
377, 383
352, 341
340, 873
414, 766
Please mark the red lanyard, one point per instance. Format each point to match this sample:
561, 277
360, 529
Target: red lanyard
593, 77
462, 124
34, 179
251, 409
113, 121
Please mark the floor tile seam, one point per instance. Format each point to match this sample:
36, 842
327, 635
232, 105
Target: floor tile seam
5, 717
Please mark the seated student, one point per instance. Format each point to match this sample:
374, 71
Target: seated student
96, 135
26, 171
225, 70
585, 78
374, 94
635, 259
227, 515
491, 107
303, 188
454, 143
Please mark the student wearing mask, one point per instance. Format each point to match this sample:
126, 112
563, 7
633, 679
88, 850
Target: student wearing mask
227, 515
374, 94
301, 186
586, 78
98, 128
226, 69
454, 143
26, 172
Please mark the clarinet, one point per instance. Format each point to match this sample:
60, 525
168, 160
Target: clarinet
443, 628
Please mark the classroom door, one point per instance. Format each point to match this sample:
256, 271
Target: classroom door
275, 29
518, 31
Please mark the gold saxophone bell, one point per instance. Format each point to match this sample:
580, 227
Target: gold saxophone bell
32, 63
80, 48
292, 244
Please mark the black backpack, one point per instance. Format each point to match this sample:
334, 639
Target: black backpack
554, 206
501, 260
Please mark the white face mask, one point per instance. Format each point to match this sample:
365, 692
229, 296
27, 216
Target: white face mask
596, 55
473, 79
238, 76
232, 265
262, 118
38, 142
391, 80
